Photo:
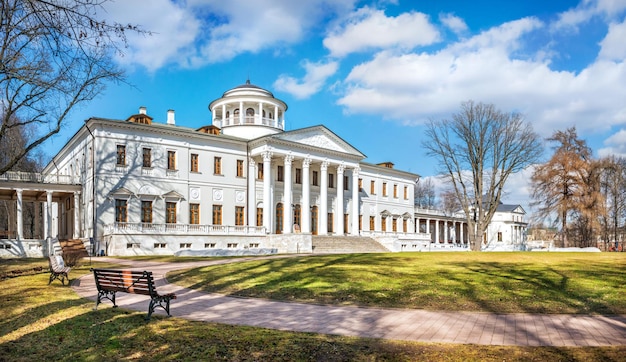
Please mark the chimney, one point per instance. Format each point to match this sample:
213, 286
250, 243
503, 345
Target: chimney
170, 117
142, 110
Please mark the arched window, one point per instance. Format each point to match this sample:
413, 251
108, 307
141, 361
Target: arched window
250, 112
314, 220
279, 218
297, 215
236, 112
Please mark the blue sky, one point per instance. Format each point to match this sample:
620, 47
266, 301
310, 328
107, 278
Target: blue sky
374, 72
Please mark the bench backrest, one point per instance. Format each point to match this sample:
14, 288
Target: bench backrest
56, 263
128, 281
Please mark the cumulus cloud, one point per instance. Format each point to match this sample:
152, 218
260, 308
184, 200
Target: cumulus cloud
414, 87
311, 83
454, 23
587, 9
615, 145
199, 32
368, 29
612, 46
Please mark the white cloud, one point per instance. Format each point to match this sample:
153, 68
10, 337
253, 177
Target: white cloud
454, 23
586, 10
312, 82
198, 32
414, 87
615, 145
368, 29
613, 45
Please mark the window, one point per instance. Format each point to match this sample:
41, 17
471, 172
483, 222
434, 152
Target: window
209, 245
259, 216
194, 214
394, 225
147, 157
404, 225
297, 215
330, 222
121, 155
239, 218
146, 211
360, 222
121, 210
345, 183
373, 187
384, 189
406, 193
260, 171
383, 223
239, 168
170, 212
217, 165
279, 218
499, 236
372, 223
171, 160
314, 180
194, 162
360, 184
185, 245
231, 245
280, 173
160, 245
298, 176
217, 214
331, 181
345, 223
395, 191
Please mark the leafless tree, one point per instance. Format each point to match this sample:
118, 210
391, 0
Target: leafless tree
54, 55
613, 186
425, 193
449, 202
478, 149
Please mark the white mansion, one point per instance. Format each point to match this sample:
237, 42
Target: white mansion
240, 184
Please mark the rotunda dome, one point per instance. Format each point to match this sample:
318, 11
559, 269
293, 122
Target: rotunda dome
248, 111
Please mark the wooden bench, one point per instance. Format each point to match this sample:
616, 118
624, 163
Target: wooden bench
58, 270
111, 281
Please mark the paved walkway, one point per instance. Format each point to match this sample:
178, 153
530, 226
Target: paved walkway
399, 324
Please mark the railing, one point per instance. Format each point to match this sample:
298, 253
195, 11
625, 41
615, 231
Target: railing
421, 212
251, 120
197, 229
40, 178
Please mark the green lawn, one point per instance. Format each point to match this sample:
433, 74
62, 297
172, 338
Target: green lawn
41, 322
587, 283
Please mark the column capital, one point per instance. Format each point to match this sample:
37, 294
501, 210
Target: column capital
288, 159
251, 162
267, 156
324, 165
356, 170
341, 168
306, 162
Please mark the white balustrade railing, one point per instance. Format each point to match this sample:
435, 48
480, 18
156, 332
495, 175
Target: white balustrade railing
40, 178
190, 229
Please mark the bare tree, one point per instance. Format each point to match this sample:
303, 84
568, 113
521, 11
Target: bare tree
449, 202
560, 184
54, 55
478, 149
425, 193
613, 188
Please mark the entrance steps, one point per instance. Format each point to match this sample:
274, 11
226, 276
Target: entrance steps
346, 245
73, 246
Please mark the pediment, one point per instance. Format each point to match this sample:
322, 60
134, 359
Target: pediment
319, 137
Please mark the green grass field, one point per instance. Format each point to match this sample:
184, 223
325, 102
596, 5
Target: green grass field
41, 322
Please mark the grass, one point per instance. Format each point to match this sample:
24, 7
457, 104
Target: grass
580, 283
41, 322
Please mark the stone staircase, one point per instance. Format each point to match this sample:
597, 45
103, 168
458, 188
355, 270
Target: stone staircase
346, 245
73, 246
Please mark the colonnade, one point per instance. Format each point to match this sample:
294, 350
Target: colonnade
443, 230
306, 203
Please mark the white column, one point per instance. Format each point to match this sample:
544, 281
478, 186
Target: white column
260, 113
76, 215
20, 220
223, 115
275, 116
339, 211
446, 230
323, 215
355, 201
428, 226
267, 203
288, 211
436, 231
242, 114
461, 233
251, 192
306, 197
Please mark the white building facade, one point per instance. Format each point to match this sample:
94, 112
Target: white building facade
141, 186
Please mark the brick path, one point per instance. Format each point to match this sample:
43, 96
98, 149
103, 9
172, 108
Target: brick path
399, 324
